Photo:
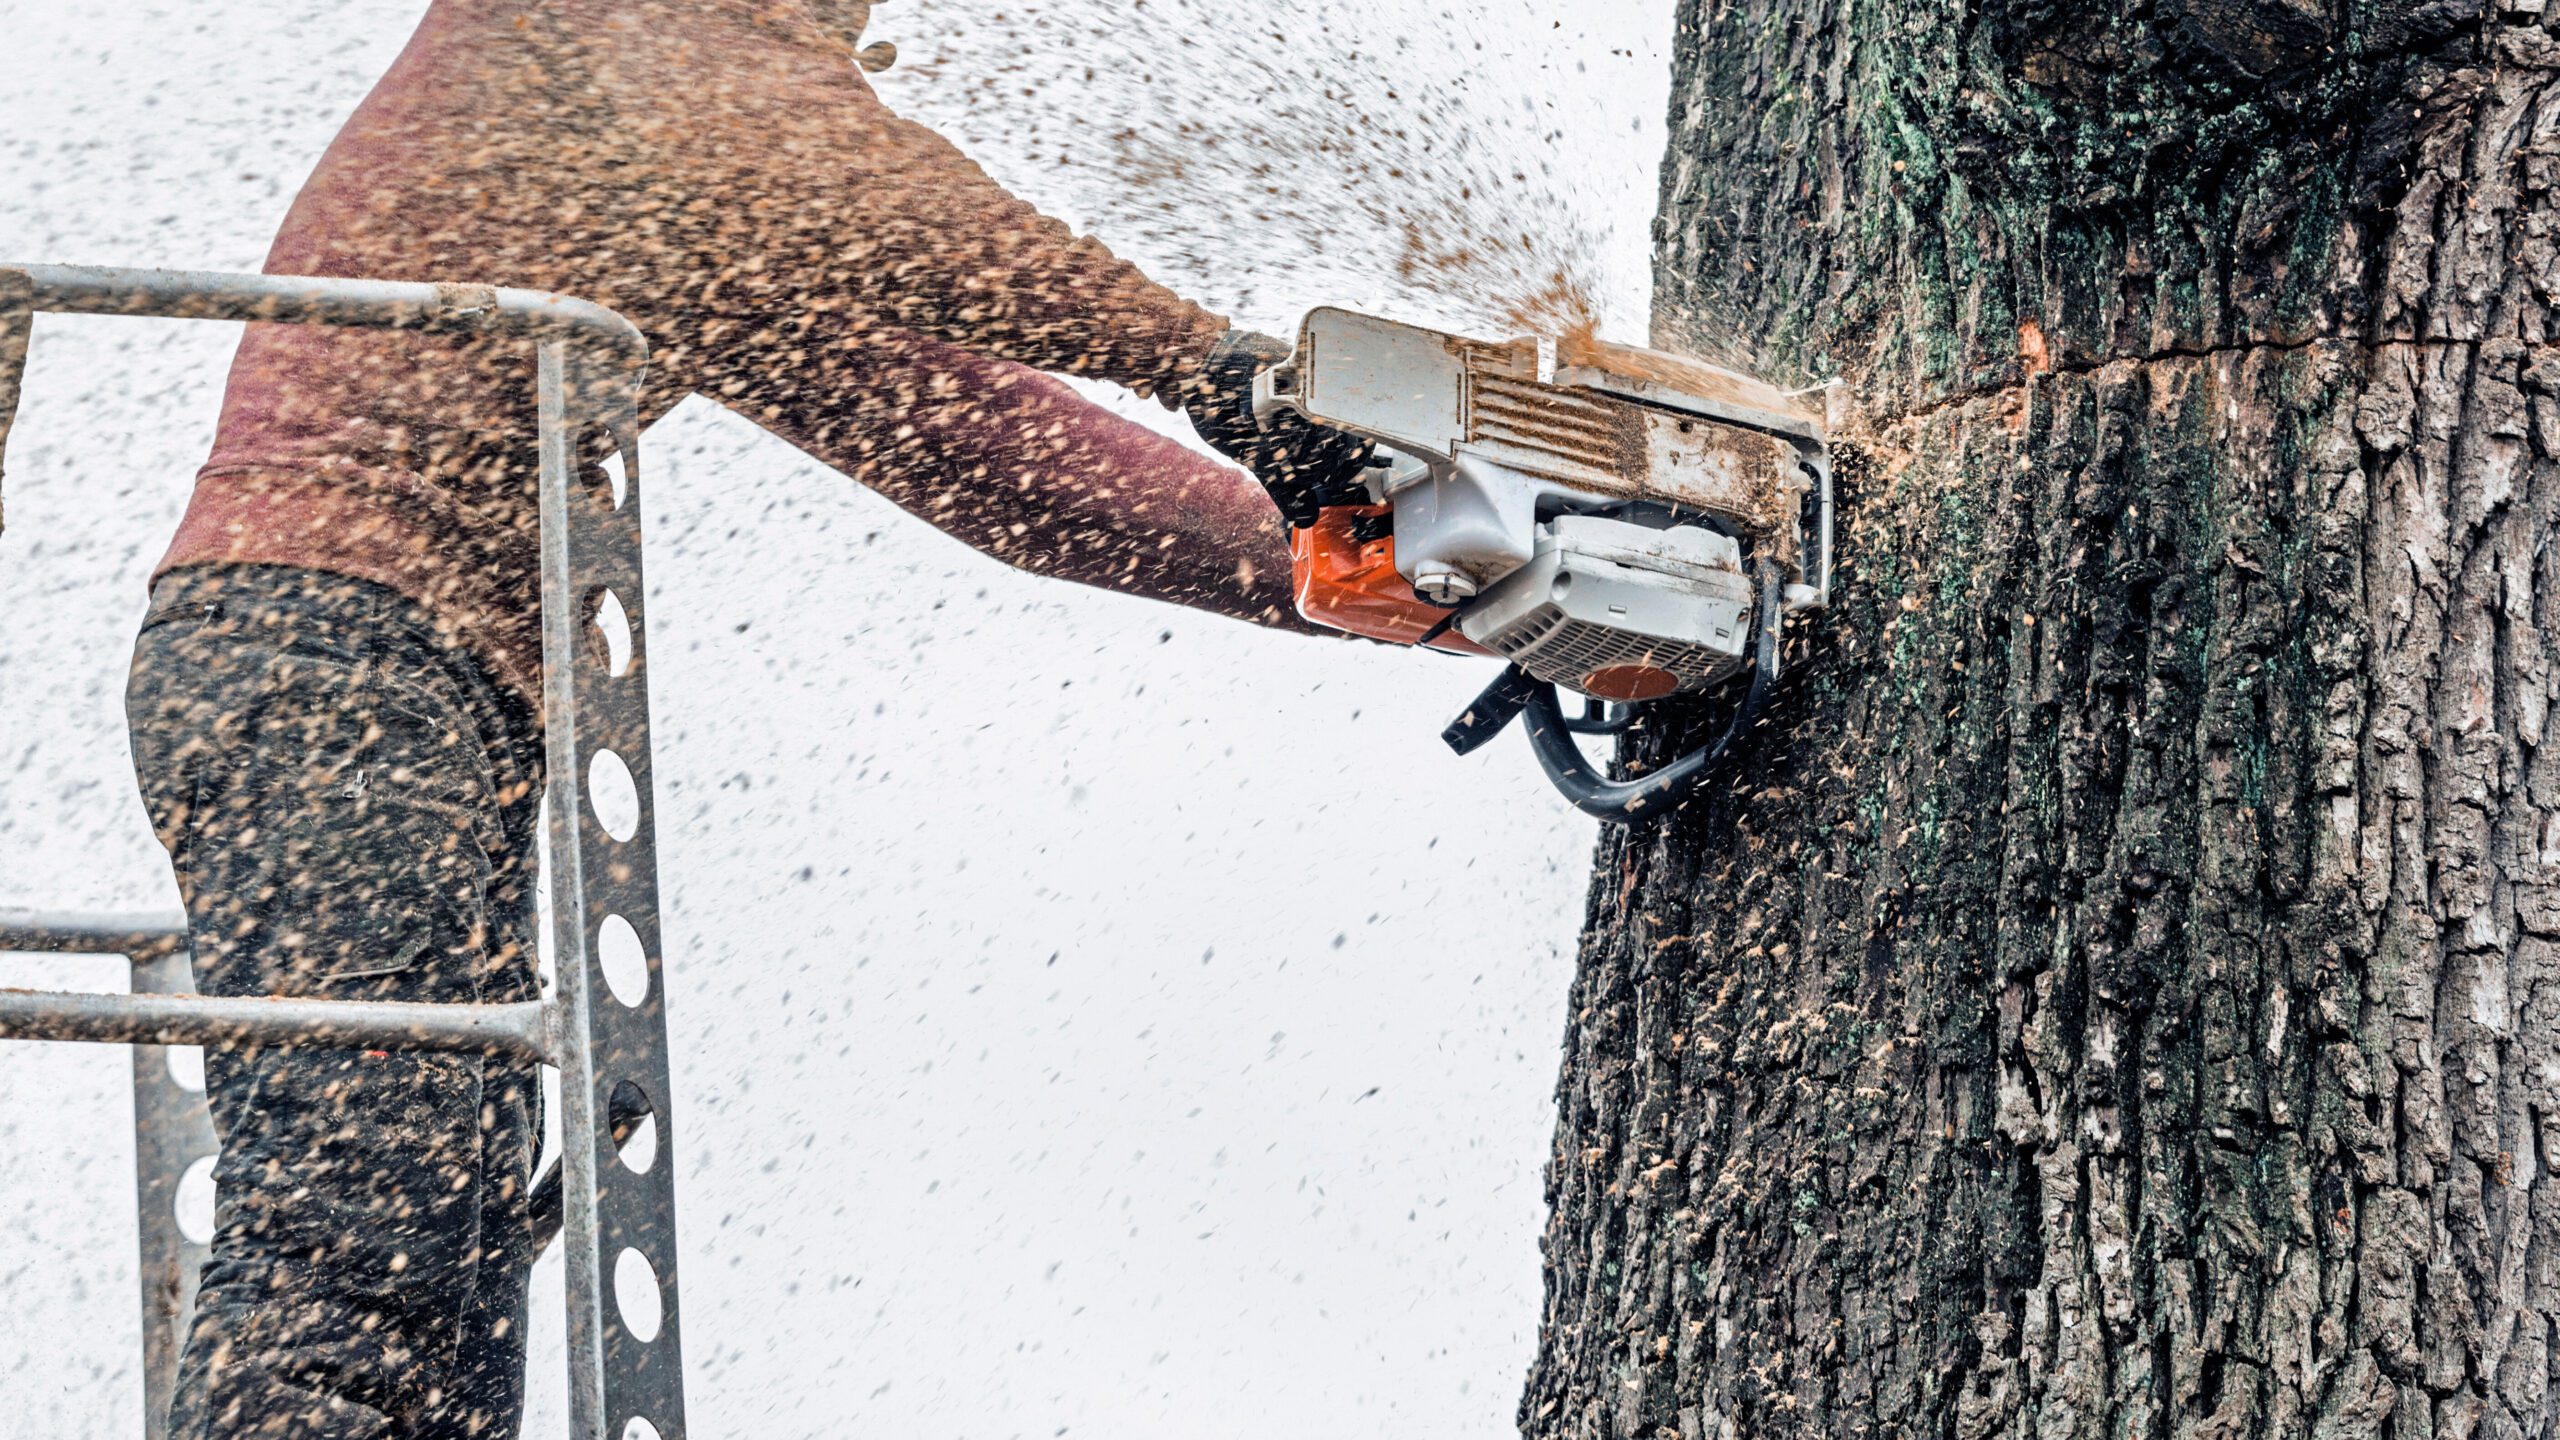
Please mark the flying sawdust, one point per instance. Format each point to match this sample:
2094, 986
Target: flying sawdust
1334, 160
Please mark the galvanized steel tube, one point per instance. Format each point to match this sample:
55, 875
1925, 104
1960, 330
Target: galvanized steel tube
520, 1029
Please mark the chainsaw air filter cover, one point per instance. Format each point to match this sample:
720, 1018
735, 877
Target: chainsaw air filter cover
1620, 611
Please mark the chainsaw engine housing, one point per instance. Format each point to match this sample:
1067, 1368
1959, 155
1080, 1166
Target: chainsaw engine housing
1592, 512
1619, 611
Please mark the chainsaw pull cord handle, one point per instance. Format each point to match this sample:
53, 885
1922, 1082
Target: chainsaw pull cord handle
1622, 801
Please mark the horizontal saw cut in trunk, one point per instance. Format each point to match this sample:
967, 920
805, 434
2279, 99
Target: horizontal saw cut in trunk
2115, 990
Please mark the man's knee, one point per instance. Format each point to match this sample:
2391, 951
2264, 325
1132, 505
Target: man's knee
368, 1166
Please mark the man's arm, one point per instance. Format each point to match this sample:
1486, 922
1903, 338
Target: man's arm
862, 288
1016, 464
809, 198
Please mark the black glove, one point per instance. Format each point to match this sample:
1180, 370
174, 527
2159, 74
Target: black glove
1304, 465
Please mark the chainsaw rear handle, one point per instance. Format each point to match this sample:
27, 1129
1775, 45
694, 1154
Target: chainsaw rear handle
1508, 695
1493, 710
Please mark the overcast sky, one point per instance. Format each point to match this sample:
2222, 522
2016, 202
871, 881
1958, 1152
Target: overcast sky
1090, 1018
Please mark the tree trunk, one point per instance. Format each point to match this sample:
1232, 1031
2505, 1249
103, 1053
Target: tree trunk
2118, 992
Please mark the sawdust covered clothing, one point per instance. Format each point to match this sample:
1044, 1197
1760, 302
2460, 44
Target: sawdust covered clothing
722, 174
349, 807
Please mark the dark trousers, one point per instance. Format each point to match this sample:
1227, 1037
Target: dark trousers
349, 806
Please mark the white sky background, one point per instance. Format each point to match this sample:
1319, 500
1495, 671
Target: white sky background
1090, 1017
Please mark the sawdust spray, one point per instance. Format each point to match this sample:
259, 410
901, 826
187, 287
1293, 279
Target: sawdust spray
1329, 152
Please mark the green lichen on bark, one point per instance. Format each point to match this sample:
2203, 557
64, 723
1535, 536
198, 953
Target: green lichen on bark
2120, 993
1891, 190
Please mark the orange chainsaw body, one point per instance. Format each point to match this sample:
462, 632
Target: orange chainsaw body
1345, 583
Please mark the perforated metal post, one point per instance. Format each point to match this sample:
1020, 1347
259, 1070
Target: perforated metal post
17, 323
626, 1361
172, 1130
605, 1027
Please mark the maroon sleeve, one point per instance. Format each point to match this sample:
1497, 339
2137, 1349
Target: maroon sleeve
1018, 465
719, 172
804, 196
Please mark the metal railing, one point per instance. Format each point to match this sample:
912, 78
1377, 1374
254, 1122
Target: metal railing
626, 1370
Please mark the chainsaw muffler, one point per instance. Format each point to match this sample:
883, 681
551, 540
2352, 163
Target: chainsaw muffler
1621, 523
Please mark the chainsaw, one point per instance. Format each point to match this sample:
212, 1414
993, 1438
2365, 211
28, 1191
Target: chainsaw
1621, 523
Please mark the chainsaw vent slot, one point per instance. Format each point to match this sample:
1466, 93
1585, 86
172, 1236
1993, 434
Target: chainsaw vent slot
1561, 650
1556, 424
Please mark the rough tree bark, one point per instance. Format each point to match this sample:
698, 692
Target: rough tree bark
2121, 996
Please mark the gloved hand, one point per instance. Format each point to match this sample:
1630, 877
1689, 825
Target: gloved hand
1304, 465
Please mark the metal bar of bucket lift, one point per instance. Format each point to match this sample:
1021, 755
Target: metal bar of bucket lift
145, 1019
172, 1129
625, 1365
